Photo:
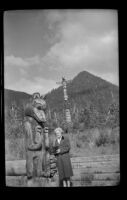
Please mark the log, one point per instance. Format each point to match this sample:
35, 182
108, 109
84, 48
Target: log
16, 168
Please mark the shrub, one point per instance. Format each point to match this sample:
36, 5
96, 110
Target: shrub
103, 139
78, 144
75, 125
81, 127
115, 136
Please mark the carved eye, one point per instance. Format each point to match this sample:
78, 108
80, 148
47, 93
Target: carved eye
36, 95
39, 107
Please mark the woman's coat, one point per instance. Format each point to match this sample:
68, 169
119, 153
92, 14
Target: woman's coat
63, 158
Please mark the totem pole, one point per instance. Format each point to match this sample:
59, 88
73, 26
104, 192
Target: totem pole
36, 139
66, 103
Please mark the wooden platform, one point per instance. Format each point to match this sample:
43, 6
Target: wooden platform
88, 171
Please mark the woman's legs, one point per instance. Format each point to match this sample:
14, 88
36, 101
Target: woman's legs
68, 182
64, 183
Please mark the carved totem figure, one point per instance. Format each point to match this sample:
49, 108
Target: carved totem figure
36, 138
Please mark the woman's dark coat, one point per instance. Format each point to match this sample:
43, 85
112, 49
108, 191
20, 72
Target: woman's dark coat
63, 158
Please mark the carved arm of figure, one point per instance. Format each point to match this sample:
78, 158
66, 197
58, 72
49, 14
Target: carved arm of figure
29, 142
36, 146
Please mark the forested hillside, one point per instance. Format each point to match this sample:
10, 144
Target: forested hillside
90, 100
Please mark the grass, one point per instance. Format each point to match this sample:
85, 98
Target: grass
90, 142
86, 143
14, 149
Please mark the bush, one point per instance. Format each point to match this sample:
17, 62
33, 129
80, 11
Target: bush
103, 139
14, 129
78, 144
75, 125
107, 136
115, 136
81, 127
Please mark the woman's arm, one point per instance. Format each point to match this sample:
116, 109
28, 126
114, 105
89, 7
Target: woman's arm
65, 147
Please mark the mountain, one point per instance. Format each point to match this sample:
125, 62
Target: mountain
15, 97
84, 89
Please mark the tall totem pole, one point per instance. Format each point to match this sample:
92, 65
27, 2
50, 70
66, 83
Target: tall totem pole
37, 140
66, 104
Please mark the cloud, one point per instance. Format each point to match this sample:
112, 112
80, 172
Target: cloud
21, 62
71, 52
37, 84
15, 61
79, 40
35, 60
88, 40
22, 74
94, 22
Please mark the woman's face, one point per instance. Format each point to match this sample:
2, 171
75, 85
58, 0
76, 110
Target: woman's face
58, 134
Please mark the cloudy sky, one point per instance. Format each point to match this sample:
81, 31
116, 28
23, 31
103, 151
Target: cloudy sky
41, 46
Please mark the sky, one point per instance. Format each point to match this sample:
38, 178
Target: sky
41, 46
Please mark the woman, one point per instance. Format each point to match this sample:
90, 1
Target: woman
62, 146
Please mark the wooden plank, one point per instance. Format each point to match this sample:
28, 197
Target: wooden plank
102, 157
98, 156
93, 176
95, 183
104, 164
94, 161
95, 165
85, 159
97, 160
96, 170
18, 163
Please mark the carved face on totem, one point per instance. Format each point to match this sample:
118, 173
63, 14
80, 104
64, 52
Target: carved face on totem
39, 107
36, 109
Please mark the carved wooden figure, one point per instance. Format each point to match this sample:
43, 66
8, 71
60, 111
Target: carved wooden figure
36, 138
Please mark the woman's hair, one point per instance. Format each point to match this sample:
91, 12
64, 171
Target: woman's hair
58, 129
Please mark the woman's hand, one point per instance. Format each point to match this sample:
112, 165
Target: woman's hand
58, 151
